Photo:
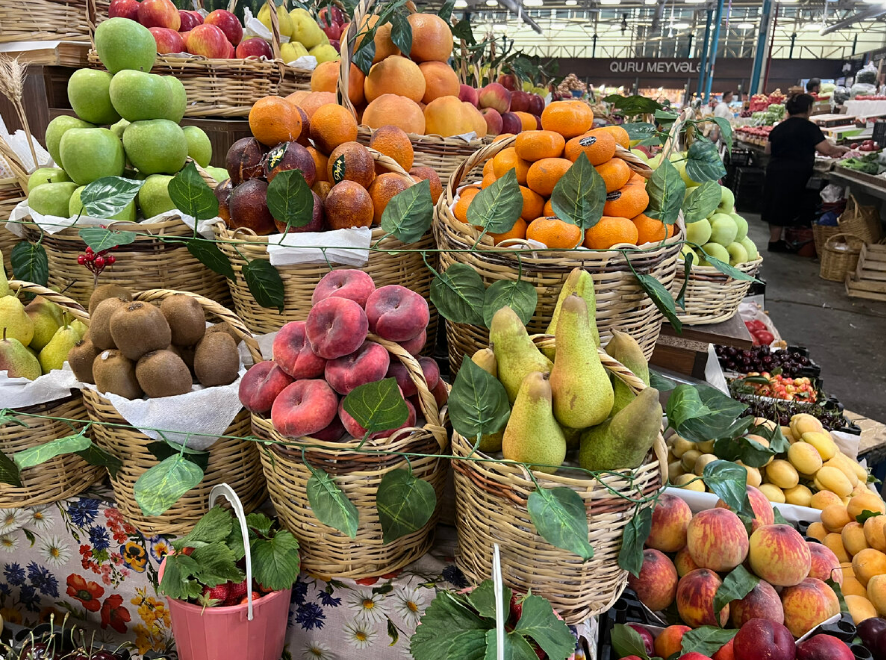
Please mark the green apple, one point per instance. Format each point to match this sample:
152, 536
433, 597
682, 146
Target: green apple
698, 232
75, 207
118, 128
687, 249
45, 175
723, 229
641, 155
90, 153
178, 100
678, 159
199, 146
742, 225
750, 247
138, 96
717, 251
156, 146
52, 198
122, 43
737, 254
220, 174
727, 200
153, 196
655, 161
56, 128
89, 94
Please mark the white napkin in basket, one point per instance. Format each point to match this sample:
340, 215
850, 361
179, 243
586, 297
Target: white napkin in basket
303, 248
21, 392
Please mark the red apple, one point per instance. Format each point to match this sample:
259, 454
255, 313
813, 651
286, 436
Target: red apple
184, 36
228, 23
208, 41
510, 123
333, 32
229, 54
123, 9
189, 20
324, 19
536, 104
519, 101
159, 13
254, 47
468, 94
494, 121
168, 41
508, 81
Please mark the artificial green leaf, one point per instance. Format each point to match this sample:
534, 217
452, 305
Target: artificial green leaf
703, 161
729, 482
639, 130
833, 584
405, 504
665, 117
626, 642
539, 622
634, 105
215, 525
459, 294
162, 485
661, 297
726, 269
8, 416
264, 284
163, 449
661, 382
680, 300
377, 406
779, 519
290, 199
738, 584
177, 574
748, 451
48, 450
462, 31
446, 11
482, 599
106, 197
725, 130
715, 420
208, 254
275, 561
777, 442
684, 404
706, 640
9, 472
498, 207
701, 202
561, 519
580, 194
449, 630
29, 263
95, 455
630, 557
409, 214
666, 190
190, 194
331, 505
104, 239
520, 296
259, 523
515, 647
216, 565
865, 514
401, 32
478, 402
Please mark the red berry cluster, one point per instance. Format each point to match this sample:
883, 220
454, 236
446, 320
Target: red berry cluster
97, 261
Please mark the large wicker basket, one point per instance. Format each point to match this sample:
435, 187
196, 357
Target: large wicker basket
839, 256
491, 500
324, 551
11, 194
49, 20
232, 460
711, 296
621, 302
62, 476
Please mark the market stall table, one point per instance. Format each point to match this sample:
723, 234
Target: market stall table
687, 352
872, 185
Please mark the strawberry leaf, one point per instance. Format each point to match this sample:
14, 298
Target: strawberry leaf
275, 561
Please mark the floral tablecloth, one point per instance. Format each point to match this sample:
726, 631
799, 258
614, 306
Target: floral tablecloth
79, 557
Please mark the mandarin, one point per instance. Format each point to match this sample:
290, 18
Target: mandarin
544, 174
621, 136
507, 159
610, 231
488, 180
627, 202
650, 230
535, 145
460, 210
615, 173
533, 204
273, 120
517, 231
597, 145
568, 118
554, 233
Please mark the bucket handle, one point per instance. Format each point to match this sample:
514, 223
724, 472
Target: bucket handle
223, 490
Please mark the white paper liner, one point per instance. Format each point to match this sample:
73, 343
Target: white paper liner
21, 392
303, 248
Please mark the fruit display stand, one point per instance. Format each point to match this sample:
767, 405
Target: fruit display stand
711, 296
45, 20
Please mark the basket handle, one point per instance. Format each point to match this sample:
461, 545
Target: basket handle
479, 156
275, 31
224, 490
633, 161
75, 309
830, 239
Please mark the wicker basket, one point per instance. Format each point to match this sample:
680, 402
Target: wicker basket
49, 20
821, 233
491, 499
60, 477
232, 460
711, 296
839, 257
324, 551
861, 221
11, 194
621, 303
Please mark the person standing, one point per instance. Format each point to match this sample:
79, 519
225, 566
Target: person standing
813, 86
723, 110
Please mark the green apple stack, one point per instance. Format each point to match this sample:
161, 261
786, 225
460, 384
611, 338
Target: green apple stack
127, 124
723, 234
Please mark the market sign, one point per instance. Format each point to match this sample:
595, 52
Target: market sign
655, 66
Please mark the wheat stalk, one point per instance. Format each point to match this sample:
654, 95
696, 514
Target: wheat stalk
12, 86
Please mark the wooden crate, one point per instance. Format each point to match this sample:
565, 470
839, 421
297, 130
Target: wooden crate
869, 279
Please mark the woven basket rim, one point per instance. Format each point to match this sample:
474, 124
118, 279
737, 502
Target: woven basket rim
74, 308
145, 231
709, 272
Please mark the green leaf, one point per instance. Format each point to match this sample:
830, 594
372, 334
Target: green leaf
539, 622
405, 504
498, 207
393, 633
208, 254
259, 523
729, 482
520, 296
29, 263
482, 599
633, 105
362, 59
449, 630
701, 202
331, 505
748, 451
680, 300
275, 561
162, 485
459, 294
726, 269
106, 197
177, 574
409, 214
627, 641
666, 190
779, 519
264, 283
725, 130
446, 11
661, 297
49, 450
290, 199
190, 194
738, 584
377, 406
478, 402
95, 455
462, 31
639, 130
703, 161
163, 449
706, 640
684, 404
8, 416
833, 584
561, 519
664, 117
630, 557
104, 239
515, 647
777, 442
865, 514
580, 194
660, 382
216, 564
215, 525
9, 472
715, 421
401, 32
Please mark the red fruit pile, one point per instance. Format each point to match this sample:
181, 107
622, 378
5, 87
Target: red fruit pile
760, 333
230, 594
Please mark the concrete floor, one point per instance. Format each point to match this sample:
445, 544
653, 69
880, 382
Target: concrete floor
844, 335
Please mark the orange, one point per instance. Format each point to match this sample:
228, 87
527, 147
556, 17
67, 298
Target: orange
393, 110
384, 46
312, 101
440, 80
650, 230
533, 204
296, 98
487, 168
610, 231
615, 173
428, 174
554, 233
325, 79
507, 159
392, 141
382, 190
431, 38
348, 205
503, 136
621, 135
517, 231
597, 145
636, 180
332, 125
548, 210
359, 165
568, 118
528, 122
627, 202
460, 210
272, 120
447, 116
545, 173
320, 163
488, 180
535, 145
395, 75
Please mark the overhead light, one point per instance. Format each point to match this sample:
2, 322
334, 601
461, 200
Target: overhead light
813, 27
681, 26
571, 3
460, 4
695, 2
610, 2
491, 3
745, 26
500, 27
533, 3
650, 2
558, 26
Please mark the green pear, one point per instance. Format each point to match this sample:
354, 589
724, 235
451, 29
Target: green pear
582, 392
532, 434
199, 146
80, 327
623, 441
485, 359
573, 437
14, 321
47, 318
626, 350
52, 198
16, 360
56, 129
579, 282
515, 353
4, 282
46, 175
55, 353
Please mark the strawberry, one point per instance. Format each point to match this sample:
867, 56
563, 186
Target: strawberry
236, 592
516, 608
255, 597
187, 551
213, 596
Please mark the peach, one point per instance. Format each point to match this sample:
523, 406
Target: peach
853, 538
245, 160
656, 586
344, 283
494, 122
332, 433
336, 327
189, 20
397, 314
261, 385
670, 520
352, 427
124, 9
695, 599
670, 641
168, 41
779, 555
468, 94
717, 539
761, 603
159, 13
824, 564
228, 23
208, 41
875, 532
293, 353
762, 638
868, 563
683, 562
416, 344
693, 655
495, 96
860, 608
303, 408
254, 47
290, 156
367, 364
807, 604
726, 652
823, 647
761, 506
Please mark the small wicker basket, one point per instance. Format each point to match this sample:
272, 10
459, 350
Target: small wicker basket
49, 20
839, 256
711, 296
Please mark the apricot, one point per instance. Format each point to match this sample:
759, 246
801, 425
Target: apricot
853, 538
816, 531
773, 493
833, 479
779, 555
782, 474
799, 495
851, 586
717, 539
860, 608
670, 641
876, 592
804, 457
670, 521
695, 599
868, 563
656, 586
875, 532
834, 517
803, 423
823, 499
807, 604
834, 543
823, 442
865, 502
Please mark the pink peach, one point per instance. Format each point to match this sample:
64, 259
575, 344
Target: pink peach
397, 314
336, 327
824, 564
779, 555
808, 604
762, 639
717, 539
293, 352
331, 433
303, 408
656, 586
695, 599
354, 428
367, 364
415, 345
670, 521
761, 603
344, 283
261, 385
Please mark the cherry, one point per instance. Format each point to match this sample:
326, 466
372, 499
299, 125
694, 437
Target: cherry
81, 260
111, 259
104, 655
99, 262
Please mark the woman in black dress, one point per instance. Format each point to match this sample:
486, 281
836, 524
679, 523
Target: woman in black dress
792, 144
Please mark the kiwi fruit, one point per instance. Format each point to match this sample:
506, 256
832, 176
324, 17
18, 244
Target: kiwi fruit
216, 360
224, 327
186, 319
81, 358
138, 328
106, 291
115, 374
186, 353
163, 373
100, 322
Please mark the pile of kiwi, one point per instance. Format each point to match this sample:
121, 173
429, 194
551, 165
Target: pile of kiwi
135, 348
